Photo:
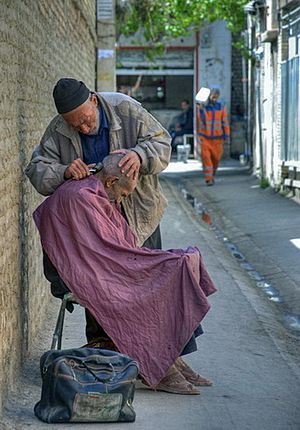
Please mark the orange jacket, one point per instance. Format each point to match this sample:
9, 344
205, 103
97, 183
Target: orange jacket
212, 121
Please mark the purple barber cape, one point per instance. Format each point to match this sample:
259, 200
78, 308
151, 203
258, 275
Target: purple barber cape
148, 301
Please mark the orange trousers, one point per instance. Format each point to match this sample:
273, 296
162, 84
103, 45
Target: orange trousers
211, 154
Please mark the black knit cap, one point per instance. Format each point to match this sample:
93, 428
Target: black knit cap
69, 93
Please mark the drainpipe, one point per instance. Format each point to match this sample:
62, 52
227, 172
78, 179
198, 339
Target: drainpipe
259, 118
245, 97
259, 54
251, 91
196, 89
253, 23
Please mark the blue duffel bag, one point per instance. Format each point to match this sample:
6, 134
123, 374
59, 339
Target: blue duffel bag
86, 385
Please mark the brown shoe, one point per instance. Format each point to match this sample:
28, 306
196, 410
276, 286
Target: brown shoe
101, 342
191, 376
175, 383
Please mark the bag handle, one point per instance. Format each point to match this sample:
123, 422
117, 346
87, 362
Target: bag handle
109, 378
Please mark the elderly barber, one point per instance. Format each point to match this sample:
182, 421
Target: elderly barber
87, 128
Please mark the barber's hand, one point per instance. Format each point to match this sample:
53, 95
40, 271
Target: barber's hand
77, 170
130, 163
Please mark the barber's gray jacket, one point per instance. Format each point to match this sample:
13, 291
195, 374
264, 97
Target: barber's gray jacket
130, 126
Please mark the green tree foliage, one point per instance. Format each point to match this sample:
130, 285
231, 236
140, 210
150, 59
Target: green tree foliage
161, 21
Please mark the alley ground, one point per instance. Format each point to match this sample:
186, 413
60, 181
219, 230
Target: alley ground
251, 345
260, 227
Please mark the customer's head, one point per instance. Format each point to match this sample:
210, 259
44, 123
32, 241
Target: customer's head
116, 184
77, 104
214, 95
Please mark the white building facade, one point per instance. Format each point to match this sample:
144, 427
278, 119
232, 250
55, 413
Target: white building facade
274, 91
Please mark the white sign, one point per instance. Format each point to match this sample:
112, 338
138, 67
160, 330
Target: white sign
202, 95
104, 9
105, 53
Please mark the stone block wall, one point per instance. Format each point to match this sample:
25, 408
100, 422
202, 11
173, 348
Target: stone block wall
41, 41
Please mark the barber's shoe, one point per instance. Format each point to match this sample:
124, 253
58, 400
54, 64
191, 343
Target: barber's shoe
210, 183
174, 382
191, 376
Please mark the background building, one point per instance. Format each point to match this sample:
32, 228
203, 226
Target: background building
164, 81
274, 91
204, 58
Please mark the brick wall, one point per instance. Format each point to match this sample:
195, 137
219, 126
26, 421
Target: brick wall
40, 42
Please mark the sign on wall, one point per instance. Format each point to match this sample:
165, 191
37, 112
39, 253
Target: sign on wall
105, 10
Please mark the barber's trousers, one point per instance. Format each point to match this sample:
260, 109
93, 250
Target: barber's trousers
211, 154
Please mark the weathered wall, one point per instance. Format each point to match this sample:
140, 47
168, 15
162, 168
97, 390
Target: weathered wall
215, 59
215, 63
40, 42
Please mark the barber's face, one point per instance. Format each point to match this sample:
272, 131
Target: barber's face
85, 118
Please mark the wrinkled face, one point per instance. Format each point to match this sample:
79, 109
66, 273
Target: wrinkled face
85, 118
116, 191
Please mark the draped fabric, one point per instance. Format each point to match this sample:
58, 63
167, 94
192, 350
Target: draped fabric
148, 301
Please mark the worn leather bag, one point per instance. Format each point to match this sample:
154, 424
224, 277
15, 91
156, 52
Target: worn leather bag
86, 385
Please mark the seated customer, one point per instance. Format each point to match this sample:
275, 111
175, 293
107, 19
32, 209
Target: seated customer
184, 123
149, 302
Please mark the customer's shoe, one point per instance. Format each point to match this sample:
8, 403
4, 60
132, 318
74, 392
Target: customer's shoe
191, 376
175, 383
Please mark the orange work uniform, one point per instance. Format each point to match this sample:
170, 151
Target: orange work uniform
212, 130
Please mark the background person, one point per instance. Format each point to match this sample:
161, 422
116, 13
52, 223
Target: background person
183, 123
131, 91
212, 131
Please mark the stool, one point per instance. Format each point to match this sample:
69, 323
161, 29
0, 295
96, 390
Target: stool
68, 300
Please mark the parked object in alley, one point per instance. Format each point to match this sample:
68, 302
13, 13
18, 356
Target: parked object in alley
86, 385
212, 132
183, 152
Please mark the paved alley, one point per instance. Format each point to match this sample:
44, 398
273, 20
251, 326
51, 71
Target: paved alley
249, 353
